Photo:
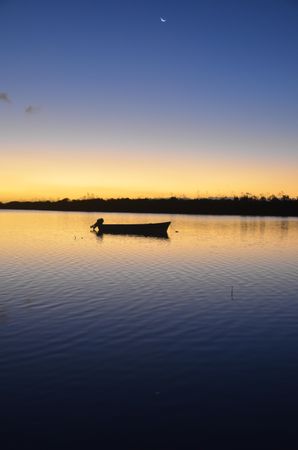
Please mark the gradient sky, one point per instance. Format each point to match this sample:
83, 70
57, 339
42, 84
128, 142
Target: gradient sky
101, 97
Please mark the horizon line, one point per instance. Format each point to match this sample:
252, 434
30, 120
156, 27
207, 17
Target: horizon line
247, 195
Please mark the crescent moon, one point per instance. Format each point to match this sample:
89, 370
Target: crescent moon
163, 20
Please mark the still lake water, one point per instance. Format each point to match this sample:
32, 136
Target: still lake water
143, 343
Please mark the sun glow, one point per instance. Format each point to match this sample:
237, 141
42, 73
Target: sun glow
52, 175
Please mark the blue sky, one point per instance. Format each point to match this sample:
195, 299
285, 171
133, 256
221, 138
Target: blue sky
219, 79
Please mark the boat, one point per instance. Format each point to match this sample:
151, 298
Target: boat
144, 229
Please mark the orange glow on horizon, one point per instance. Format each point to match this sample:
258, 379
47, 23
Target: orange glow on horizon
53, 175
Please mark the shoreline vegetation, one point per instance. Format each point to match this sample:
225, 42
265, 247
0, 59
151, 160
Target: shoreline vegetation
242, 205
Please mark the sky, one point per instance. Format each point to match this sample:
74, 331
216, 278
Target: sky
103, 98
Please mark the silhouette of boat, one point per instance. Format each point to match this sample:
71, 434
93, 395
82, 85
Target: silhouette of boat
144, 229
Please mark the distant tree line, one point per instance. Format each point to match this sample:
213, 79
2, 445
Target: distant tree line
242, 205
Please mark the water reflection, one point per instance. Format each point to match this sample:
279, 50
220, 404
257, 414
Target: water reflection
92, 327
162, 236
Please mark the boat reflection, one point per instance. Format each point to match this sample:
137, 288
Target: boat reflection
161, 236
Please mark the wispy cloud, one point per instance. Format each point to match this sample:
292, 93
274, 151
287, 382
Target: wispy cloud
30, 109
4, 97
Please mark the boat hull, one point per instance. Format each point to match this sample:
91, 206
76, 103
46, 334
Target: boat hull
146, 229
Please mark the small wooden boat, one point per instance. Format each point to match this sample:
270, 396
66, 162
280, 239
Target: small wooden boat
144, 229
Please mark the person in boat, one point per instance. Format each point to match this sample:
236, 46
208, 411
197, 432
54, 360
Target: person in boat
97, 224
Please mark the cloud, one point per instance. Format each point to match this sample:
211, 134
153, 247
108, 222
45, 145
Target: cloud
4, 97
30, 109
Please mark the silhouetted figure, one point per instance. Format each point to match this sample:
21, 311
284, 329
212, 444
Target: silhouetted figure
97, 224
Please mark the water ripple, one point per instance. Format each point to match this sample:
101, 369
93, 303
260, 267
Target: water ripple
208, 317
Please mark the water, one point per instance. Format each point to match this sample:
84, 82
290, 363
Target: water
144, 343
